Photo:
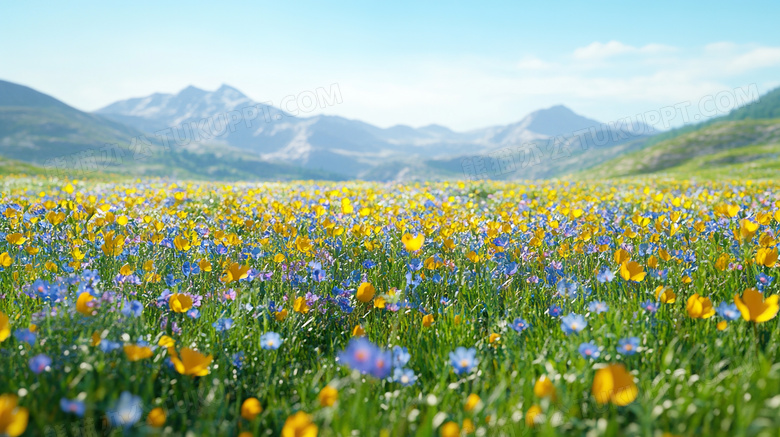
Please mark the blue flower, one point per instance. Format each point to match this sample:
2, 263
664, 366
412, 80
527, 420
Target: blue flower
109, 346
190, 269
555, 310
270, 341
194, 313
223, 324
567, 288
627, 346
73, 406
134, 308
25, 336
589, 350
381, 365
359, 354
368, 264
605, 275
405, 377
598, 307
728, 311
763, 280
39, 363
650, 306
400, 356
573, 323
127, 411
520, 325
463, 360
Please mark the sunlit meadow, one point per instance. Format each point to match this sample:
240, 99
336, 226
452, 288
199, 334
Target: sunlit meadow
304, 309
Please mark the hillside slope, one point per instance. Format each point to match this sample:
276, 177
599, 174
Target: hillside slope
747, 148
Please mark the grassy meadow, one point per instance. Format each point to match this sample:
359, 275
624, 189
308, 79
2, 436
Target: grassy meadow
638, 308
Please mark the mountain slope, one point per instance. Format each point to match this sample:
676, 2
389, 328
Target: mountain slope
712, 149
742, 141
347, 147
41, 130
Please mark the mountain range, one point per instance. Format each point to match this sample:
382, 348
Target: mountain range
225, 135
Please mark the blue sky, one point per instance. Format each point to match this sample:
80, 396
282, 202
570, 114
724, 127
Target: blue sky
463, 65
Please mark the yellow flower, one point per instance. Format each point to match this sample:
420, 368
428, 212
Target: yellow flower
413, 243
156, 418
179, 303
135, 352
621, 256
280, 315
471, 402
182, 244
766, 256
166, 342
5, 327
13, 419
747, 229
192, 362
544, 388
468, 426
328, 396
126, 270
427, 320
365, 292
235, 273
665, 294
81, 303
380, 302
15, 238
205, 265
96, 339
632, 271
300, 305
303, 244
358, 331
299, 425
722, 325
614, 384
251, 408
699, 307
450, 429
494, 337
532, 414
5, 259
113, 245
755, 308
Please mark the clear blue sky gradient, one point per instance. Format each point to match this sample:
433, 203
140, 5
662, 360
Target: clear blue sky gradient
463, 65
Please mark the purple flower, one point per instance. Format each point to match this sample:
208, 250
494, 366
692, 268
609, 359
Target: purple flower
72, 406
39, 363
520, 325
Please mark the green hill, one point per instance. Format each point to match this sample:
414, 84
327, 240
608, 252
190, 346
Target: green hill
744, 143
747, 148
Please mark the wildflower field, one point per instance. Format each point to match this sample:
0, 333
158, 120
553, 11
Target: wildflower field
641, 308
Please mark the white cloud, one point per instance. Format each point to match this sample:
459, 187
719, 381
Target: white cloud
597, 50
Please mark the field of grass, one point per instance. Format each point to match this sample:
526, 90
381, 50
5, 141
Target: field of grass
343, 309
